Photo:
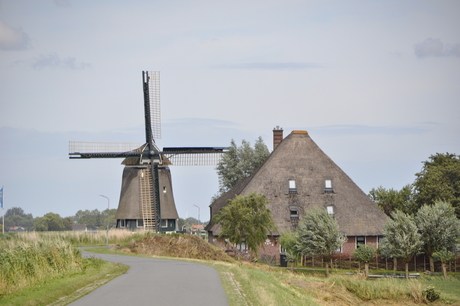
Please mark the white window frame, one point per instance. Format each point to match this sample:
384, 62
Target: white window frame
294, 209
328, 186
292, 186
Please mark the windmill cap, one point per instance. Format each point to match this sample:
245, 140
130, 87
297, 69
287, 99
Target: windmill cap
299, 132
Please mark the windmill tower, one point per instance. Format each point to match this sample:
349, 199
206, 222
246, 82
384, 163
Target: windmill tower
146, 197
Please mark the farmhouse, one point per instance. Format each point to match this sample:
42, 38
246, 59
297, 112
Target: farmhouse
296, 177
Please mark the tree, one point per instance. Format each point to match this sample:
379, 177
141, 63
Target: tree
288, 242
444, 256
439, 228
49, 222
110, 214
402, 239
246, 219
318, 234
16, 216
365, 253
390, 200
186, 224
92, 218
439, 180
240, 162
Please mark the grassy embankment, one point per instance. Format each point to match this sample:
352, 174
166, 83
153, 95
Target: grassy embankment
244, 283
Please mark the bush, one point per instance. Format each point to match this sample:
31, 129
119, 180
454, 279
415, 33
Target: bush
431, 294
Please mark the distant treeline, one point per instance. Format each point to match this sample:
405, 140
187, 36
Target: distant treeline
16, 220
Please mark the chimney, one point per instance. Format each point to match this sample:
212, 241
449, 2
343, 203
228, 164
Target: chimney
277, 136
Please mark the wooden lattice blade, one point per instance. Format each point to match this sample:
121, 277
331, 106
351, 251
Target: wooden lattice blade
80, 149
194, 156
152, 104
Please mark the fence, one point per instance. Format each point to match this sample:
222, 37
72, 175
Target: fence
419, 263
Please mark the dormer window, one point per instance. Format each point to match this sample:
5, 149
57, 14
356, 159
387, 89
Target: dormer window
328, 186
292, 186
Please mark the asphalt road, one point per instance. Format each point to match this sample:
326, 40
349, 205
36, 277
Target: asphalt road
152, 281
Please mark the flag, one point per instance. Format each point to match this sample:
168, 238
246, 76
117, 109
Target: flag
1, 198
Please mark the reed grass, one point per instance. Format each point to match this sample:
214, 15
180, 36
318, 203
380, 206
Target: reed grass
23, 263
33, 257
94, 238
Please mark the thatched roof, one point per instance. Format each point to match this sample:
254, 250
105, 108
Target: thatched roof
129, 206
299, 158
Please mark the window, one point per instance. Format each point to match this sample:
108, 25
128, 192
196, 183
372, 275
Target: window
330, 210
164, 189
360, 240
241, 247
292, 186
294, 212
140, 222
328, 186
164, 223
122, 222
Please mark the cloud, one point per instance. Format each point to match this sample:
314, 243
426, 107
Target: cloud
12, 39
272, 66
435, 47
62, 3
54, 61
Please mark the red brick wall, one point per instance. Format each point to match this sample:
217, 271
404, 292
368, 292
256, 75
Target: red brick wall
349, 245
271, 246
372, 240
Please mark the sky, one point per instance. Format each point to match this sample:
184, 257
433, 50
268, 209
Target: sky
375, 83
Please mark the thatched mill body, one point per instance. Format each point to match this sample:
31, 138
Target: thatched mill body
146, 197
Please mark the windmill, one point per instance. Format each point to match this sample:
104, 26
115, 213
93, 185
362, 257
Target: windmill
146, 197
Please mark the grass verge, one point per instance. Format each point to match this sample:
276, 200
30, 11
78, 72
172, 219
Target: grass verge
64, 290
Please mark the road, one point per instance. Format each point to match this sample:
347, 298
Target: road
162, 282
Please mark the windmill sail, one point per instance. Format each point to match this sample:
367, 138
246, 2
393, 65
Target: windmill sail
152, 111
146, 197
